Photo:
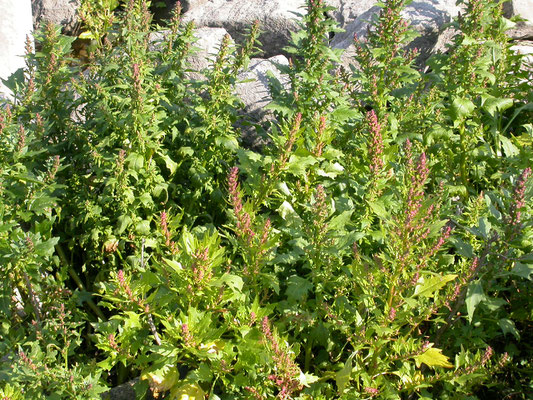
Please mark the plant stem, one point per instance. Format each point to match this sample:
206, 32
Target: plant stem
79, 283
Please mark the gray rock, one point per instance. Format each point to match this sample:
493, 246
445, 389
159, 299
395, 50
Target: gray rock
125, 391
521, 31
253, 85
15, 25
523, 8
277, 19
60, 12
426, 17
207, 44
253, 89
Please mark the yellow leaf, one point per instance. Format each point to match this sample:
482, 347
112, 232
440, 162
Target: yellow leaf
189, 391
163, 379
212, 347
433, 357
86, 35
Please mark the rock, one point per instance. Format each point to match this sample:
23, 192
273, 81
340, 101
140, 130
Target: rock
60, 12
125, 391
521, 31
523, 8
254, 91
525, 48
208, 43
15, 25
277, 19
425, 17
209, 40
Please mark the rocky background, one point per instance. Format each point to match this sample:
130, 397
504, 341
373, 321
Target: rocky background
215, 18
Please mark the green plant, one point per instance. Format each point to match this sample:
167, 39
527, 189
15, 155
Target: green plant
359, 255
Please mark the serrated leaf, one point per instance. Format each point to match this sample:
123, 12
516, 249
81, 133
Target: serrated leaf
433, 357
286, 211
508, 326
342, 377
143, 227
170, 164
298, 287
307, 379
229, 142
523, 270
122, 223
493, 104
234, 282
432, 285
508, 147
474, 296
461, 108
46, 248
378, 209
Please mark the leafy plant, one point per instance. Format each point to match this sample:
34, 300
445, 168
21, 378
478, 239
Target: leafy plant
379, 247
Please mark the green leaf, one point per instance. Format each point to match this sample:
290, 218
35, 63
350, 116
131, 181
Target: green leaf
234, 282
433, 357
297, 287
86, 35
432, 285
5, 300
135, 161
508, 147
286, 211
307, 379
493, 104
523, 270
46, 248
508, 326
461, 108
175, 265
122, 223
474, 296
170, 164
342, 377
378, 209
143, 227
229, 142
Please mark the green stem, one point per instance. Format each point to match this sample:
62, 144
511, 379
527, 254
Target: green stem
79, 283
463, 155
308, 353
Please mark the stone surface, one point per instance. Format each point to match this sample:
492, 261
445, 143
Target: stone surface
16, 24
253, 85
253, 90
60, 12
426, 17
277, 19
523, 8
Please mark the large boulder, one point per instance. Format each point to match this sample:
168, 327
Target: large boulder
253, 88
425, 17
277, 19
15, 26
60, 12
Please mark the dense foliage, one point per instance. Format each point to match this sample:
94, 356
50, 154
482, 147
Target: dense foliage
380, 246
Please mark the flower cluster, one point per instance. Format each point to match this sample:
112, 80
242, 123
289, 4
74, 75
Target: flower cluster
201, 270
375, 147
126, 289
244, 220
287, 372
515, 213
